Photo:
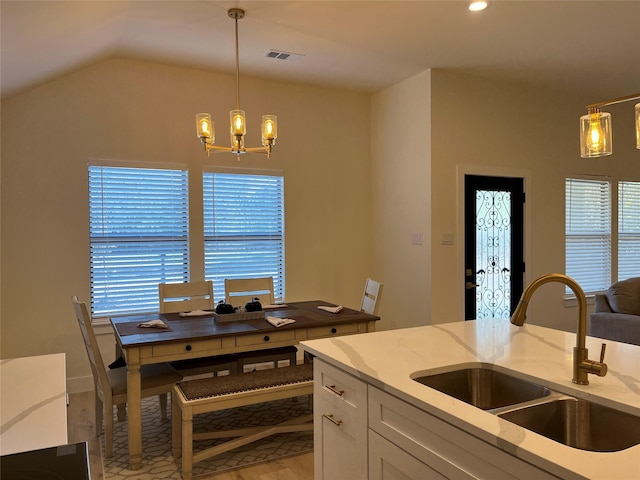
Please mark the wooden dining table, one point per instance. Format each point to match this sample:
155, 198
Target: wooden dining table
205, 336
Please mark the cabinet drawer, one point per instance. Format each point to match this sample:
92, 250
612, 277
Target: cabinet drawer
329, 331
182, 348
265, 338
338, 387
340, 425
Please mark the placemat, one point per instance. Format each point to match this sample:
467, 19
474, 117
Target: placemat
132, 328
300, 321
345, 311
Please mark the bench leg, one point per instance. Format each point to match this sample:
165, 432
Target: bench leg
176, 427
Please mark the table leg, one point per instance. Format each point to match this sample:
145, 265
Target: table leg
134, 399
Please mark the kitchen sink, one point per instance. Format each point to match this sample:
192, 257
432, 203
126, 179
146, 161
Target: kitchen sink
484, 388
571, 421
579, 424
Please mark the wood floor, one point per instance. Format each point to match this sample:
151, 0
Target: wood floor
80, 419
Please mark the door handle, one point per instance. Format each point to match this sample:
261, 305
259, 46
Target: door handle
470, 285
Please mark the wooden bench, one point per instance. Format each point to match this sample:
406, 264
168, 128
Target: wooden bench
197, 396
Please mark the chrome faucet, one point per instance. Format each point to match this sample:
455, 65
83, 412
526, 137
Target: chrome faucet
582, 366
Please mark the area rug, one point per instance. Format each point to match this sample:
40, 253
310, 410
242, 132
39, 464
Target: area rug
157, 458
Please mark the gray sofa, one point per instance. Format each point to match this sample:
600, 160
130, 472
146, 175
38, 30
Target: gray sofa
617, 313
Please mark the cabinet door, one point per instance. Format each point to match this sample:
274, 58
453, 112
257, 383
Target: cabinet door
388, 462
340, 425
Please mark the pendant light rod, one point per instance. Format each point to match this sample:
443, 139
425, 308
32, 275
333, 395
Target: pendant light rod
626, 98
237, 14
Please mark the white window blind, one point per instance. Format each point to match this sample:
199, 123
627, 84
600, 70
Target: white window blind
138, 236
628, 230
588, 233
243, 228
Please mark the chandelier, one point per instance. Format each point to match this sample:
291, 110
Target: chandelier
595, 128
206, 128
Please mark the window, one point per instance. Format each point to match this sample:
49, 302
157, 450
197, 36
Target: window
588, 233
138, 236
628, 230
601, 246
243, 227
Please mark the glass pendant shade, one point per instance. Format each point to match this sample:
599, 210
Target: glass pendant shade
269, 129
238, 124
595, 134
637, 125
205, 127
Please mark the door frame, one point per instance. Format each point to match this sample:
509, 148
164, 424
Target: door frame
461, 171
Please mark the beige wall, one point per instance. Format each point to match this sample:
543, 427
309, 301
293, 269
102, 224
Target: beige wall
401, 202
362, 175
497, 128
131, 110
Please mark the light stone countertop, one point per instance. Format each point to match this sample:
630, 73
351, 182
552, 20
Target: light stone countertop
33, 403
389, 360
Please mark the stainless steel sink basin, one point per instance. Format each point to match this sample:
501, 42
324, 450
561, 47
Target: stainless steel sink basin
579, 424
484, 388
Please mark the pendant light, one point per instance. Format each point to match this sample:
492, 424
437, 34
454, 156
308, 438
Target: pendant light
595, 128
238, 129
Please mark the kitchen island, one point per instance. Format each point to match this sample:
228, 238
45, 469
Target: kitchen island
368, 381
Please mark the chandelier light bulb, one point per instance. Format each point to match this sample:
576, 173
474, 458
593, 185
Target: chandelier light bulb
269, 129
205, 127
595, 132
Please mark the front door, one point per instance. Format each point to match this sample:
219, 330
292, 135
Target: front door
494, 245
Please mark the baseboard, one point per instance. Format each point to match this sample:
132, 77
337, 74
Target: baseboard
80, 384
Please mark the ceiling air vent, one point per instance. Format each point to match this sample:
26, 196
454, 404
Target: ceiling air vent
279, 55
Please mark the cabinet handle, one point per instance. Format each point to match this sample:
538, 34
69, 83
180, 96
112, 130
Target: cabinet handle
335, 390
334, 330
332, 419
266, 338
188, 348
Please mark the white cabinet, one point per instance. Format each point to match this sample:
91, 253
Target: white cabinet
389, 462
340, 424
362, 432
439, 446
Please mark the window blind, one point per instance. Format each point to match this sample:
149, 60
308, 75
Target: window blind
243, 228
138, 236
588, 233
628, 230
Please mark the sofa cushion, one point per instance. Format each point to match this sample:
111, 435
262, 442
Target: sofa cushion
624, 296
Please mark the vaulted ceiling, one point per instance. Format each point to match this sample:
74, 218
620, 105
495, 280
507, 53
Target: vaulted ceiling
591, 47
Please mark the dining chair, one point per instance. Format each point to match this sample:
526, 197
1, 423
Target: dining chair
111, 385
239, 291
186, 296
371, 297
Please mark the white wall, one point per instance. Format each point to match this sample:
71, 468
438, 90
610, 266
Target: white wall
132, 110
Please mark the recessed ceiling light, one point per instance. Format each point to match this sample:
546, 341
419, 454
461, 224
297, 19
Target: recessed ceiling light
476, 6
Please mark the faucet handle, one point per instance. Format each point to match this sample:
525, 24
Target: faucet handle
602, 350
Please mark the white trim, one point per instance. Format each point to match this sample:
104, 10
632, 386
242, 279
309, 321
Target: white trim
489, 171
243, 171
99, 162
